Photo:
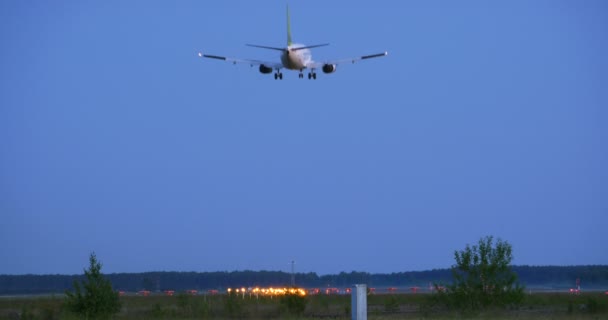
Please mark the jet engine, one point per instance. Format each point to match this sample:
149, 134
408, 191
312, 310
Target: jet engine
264, 69
329, 68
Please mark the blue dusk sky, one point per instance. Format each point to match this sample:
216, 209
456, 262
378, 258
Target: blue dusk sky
486, 118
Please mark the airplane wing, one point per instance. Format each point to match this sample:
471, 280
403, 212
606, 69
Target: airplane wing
317, 65
273, 65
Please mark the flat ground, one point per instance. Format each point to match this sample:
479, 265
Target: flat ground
389, 306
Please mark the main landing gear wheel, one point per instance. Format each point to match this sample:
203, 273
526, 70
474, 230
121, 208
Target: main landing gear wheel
312, 75
278, 75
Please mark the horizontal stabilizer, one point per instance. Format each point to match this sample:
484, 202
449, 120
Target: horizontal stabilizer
310, 47
293, 49
265, 47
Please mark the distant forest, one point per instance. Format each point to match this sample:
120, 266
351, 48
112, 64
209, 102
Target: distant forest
530, 276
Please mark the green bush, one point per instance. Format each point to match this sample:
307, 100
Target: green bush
93, 298
482, 278
294, 303
233, 306
391, 304
592, 305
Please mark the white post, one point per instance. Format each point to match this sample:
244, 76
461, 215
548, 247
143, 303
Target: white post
359, 302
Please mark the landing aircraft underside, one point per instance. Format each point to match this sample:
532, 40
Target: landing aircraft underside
295, 57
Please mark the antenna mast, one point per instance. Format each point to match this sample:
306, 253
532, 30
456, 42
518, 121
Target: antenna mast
293, 275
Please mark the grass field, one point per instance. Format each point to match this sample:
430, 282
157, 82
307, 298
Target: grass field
393, 306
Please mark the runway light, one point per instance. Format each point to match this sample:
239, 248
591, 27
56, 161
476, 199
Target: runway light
271, 291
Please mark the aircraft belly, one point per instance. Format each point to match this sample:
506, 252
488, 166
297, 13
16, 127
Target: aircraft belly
293, 62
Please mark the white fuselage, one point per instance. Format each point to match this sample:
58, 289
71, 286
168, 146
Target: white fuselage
296, 59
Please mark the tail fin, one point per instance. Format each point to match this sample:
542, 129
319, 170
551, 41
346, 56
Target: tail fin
288, 27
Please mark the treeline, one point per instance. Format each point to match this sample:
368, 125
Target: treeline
531, 276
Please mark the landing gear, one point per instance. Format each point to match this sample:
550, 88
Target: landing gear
278, 75
312, 75
301, 75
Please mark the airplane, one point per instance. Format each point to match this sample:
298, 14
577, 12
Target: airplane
293, 57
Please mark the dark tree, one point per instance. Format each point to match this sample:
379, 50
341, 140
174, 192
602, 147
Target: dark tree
93, 298
482, 277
